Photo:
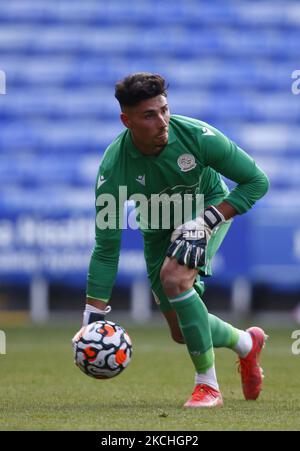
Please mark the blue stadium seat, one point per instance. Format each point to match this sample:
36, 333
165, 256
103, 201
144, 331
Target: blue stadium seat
227, 63
246, 13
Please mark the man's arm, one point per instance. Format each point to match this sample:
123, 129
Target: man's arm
229, 160
103, 268
105, 257
190, 240
227, 210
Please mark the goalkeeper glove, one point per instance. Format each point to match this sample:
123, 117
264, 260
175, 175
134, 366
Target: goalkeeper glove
90, 315
189, 241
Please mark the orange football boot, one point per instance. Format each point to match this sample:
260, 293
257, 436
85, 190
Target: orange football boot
251, 373
204, 396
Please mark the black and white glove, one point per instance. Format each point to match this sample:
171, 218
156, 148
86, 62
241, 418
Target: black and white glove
189, 241
90, 315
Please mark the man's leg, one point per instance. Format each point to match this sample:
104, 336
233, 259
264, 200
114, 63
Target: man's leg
224, 335
247, 344
177, 282
213, 331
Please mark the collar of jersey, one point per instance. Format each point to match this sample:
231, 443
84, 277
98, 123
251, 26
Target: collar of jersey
135, 153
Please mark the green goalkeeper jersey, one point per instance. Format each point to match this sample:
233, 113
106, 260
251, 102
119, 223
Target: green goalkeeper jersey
191, 163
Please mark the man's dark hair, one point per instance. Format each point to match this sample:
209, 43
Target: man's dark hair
135, 88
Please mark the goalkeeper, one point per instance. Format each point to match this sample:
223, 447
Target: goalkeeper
163, 153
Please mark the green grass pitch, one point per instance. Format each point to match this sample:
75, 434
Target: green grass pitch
41, 388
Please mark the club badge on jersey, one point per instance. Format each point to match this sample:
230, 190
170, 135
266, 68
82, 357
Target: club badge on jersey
186, 162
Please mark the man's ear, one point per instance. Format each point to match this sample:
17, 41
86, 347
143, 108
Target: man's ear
125, 120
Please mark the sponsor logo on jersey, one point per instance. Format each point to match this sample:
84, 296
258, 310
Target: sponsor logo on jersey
186, 162
207, 132
101, 180
156, 298
141, 179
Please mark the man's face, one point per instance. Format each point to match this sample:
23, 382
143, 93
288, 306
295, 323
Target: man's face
149, 123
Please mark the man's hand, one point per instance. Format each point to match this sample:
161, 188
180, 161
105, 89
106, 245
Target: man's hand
77, 337
189, 241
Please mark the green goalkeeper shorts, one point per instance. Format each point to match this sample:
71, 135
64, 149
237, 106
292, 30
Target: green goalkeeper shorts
155, 252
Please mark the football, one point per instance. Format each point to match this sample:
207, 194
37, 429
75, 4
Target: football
102, 349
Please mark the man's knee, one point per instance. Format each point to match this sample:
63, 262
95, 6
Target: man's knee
173, 283
176, 278
174, 286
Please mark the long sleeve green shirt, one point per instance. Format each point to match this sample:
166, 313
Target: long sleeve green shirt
192, 162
